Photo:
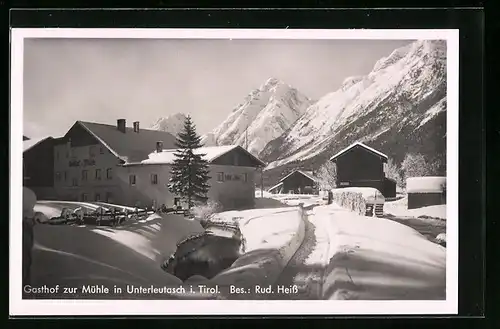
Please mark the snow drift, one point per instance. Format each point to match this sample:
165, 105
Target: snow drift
266, 254
378, 259
132, 254
399, 208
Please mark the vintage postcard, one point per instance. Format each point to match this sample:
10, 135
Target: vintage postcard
213, 172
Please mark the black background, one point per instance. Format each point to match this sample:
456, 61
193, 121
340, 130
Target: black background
472, 143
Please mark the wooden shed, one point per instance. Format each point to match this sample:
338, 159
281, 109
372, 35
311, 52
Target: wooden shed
359, 165
426, 191
297, 182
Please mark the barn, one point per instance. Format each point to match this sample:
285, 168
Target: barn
297, 182
359, 165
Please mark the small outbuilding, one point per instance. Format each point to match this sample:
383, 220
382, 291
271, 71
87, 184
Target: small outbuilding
426, 191
297, 182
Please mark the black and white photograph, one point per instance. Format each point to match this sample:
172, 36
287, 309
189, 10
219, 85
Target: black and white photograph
169, 171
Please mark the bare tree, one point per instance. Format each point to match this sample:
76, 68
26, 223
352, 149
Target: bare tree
327, 175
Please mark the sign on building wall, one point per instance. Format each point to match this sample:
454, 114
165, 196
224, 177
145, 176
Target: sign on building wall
82, 163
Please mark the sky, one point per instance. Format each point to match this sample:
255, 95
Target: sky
102, 80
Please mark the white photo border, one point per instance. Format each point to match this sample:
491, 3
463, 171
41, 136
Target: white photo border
20, 307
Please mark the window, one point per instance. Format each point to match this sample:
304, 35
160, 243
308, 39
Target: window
227, 177
58, 176
101, 150
98, 174
236, 177
131, 179
245, 177
85, 197
65, 176
97, 197
109, 196
92, 151
109, 173
84, 175
154, 179
220, 176
75, 181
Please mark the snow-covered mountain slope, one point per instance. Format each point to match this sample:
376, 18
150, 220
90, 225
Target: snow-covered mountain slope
172, 123
265, 114
399, 107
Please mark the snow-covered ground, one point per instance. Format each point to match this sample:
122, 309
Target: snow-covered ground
262, 193
296, 199
267, 250
78, 255
399, 208
373, 258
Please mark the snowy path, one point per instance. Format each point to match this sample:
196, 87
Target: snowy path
306, 269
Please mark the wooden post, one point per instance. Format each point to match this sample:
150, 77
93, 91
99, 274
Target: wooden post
261, 182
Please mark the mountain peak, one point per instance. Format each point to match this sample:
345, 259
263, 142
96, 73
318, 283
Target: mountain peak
263, 116
172, 123
394, 102
272, 83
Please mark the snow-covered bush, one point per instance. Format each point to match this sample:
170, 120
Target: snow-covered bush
441, 239
351, 200
203, 212
392, 171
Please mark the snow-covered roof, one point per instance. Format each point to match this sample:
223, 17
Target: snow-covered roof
358, 144
275, 187
129, 146
29, 143
429, 184
211, 153
308, 174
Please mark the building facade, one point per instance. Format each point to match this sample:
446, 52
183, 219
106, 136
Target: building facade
89, 158
38, 164
362, 166
233, 175
131, 166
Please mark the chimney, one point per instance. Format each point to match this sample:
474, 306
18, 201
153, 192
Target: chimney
159, 146
136, 126
121, 124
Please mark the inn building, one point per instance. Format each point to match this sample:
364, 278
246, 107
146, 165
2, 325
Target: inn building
131, 166
89, 157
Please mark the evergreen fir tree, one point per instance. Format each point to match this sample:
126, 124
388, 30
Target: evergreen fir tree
190, 171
